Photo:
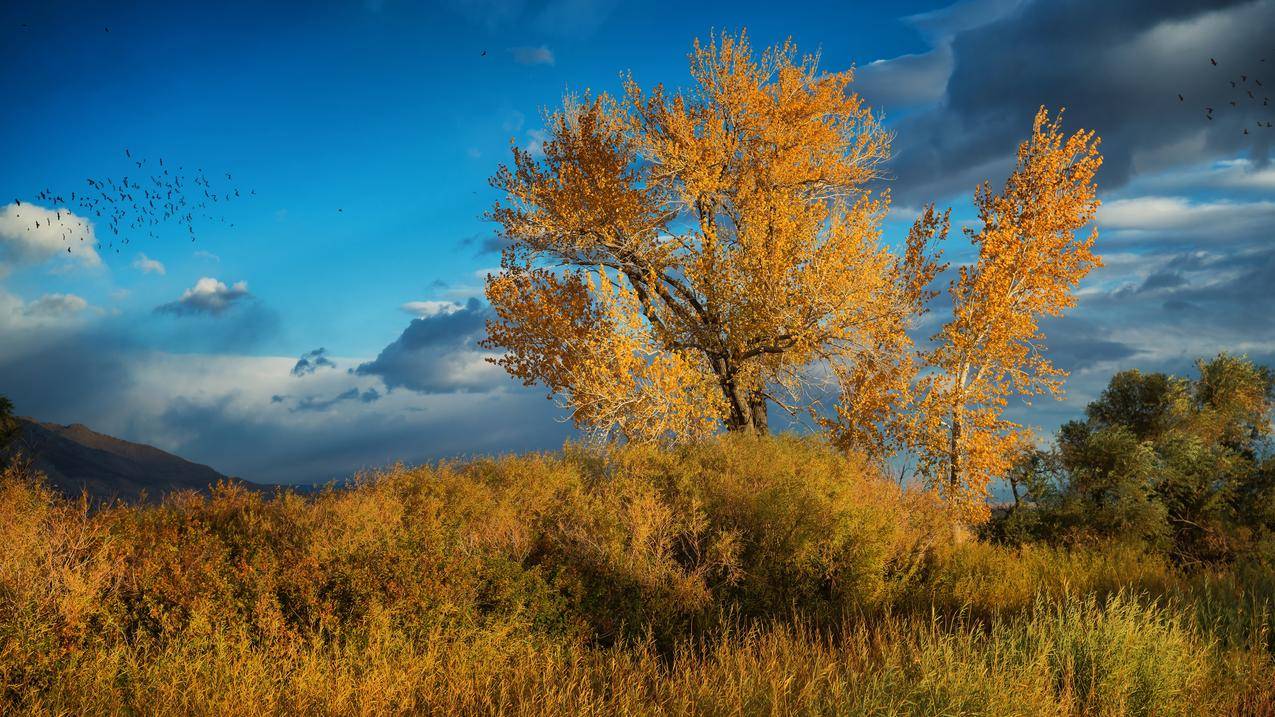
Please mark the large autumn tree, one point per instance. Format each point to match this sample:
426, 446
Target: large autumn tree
677, 260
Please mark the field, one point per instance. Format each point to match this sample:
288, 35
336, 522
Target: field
733, 576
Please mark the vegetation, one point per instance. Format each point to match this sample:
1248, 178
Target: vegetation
678, 261
739, 575
9, 425
1182, 466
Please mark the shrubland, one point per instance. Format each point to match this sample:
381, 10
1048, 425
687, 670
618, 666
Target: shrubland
734, 575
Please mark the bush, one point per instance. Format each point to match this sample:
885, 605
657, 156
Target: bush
739, 575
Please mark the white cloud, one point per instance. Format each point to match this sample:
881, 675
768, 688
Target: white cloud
55, 305
1156, 214
426, 309
31, 234
147, 265
48, 311
536, 139
1237, 174
532, 55
207, 296
201, 254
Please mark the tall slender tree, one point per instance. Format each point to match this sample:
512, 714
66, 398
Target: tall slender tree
1031, 256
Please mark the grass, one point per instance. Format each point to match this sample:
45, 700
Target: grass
734, 577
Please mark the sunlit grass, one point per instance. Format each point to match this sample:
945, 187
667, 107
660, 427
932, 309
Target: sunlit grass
733, 577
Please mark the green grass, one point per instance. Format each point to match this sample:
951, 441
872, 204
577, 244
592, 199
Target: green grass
732, 577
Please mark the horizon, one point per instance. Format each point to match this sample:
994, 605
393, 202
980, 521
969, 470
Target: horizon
329, 323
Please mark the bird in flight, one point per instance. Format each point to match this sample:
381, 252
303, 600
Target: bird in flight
1181, 98
1213, 61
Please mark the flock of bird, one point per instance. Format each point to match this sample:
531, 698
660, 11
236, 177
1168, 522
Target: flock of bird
129, 206
1252, 90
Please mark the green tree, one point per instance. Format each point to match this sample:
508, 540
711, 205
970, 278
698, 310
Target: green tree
1180, 464
9, 425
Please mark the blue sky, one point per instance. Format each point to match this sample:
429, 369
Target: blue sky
390, 112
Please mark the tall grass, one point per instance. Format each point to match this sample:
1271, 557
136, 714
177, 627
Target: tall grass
738, 576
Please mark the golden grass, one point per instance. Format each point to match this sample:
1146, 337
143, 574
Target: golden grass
735, 577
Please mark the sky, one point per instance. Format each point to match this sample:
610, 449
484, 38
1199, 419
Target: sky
326, 320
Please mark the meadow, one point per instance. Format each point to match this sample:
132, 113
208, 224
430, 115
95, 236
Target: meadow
732, 576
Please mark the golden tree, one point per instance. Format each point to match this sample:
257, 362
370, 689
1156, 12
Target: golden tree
675, 258
1030, 259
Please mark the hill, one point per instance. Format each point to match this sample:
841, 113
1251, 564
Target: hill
77, 458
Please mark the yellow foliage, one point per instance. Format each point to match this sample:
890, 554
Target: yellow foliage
1030, 259
680, 260
676, 257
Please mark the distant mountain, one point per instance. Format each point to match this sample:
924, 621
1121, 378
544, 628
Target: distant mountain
75, 458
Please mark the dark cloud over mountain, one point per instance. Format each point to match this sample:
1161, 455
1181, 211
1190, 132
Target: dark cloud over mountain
1117, 67
438, 353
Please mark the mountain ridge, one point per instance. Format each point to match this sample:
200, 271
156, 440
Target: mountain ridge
75, 459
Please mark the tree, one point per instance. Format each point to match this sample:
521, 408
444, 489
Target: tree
676, 257
1179, 464
678, 261
9, 425
1029, 261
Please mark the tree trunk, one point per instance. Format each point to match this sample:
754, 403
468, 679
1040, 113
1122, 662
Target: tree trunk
954, 451
748, 411
757, 406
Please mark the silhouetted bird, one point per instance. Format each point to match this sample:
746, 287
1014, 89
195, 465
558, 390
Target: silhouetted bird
1233, 104
1246, 130
1243, 78
1181, 98
1233, 83
1213, 61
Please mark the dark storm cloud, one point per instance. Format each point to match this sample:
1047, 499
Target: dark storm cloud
438, 354
312, 403
66, 376
104, 377
1116, 66
484, 244
311, 362
1234, 292
1075, 344
263, 448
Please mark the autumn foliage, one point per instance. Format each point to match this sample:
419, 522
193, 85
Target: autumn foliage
678, 262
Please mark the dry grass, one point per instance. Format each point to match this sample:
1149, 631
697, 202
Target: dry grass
734, 577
